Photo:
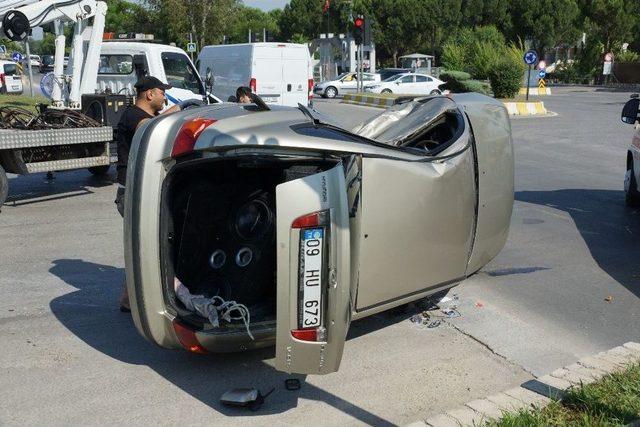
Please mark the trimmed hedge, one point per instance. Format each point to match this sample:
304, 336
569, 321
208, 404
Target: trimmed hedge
459, 81
505, 79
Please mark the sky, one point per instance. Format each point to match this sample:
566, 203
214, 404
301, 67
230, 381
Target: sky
266, 5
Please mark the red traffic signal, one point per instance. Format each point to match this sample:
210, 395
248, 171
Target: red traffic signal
358, 23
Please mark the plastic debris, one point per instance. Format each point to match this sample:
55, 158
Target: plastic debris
609, 298
451, 313
213, 308
434, 324
479, 304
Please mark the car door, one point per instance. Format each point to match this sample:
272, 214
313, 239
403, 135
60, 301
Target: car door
404, 84
313, 272
348, 84
423, 85
417, 222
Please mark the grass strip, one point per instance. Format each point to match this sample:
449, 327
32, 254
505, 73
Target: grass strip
614, 400
22, 101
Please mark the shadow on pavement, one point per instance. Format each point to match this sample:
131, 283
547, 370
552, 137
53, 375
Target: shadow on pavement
34, 188
609, 228
91, 313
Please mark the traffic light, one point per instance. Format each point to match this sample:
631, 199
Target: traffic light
367, 31
358, 30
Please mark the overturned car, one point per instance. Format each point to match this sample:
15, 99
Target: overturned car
248, 226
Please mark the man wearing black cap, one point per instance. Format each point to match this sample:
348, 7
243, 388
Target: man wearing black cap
150, 101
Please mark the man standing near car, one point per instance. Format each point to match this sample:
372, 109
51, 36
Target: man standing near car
150, 101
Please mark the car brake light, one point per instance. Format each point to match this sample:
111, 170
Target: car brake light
188, 339
2, 78
188, 135
311, 220
253, 84
305, 334
310, 89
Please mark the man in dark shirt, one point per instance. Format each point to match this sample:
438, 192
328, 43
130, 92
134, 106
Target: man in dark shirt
150, 101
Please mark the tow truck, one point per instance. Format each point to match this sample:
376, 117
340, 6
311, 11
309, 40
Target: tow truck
76, 130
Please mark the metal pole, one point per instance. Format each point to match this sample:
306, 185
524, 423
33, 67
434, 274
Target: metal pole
264, 35
528, 80
249, 35
26, 44
191, 41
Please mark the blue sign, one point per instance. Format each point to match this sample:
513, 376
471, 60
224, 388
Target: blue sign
530, 57
17, 56
542, 73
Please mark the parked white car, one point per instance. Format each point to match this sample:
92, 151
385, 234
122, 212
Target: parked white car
407, 83
10, 78
344, 83
35, 61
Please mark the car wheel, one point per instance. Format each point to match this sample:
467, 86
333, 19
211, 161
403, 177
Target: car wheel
386, 91
330, 92
435, 92
99, 170
4, 186
631, 194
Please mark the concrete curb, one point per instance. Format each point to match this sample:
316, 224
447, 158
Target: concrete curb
368, 100
523, 108
585, 371
535, 91
516, 108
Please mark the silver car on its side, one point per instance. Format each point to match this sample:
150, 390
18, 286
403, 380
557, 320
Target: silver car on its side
344, 83
248, 226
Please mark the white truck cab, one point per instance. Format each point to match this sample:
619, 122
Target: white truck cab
123, 63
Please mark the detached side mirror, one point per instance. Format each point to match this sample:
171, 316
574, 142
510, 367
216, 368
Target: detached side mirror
630, 111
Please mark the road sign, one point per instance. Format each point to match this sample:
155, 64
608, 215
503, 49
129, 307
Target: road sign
542, 74
606, 70
3, 49
191, 47
541, 84
530, 57
17, 56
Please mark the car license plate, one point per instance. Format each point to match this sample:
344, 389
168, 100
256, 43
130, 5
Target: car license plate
15, 87
311, 246
270, 99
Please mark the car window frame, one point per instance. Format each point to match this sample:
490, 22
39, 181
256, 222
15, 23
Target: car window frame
115, 73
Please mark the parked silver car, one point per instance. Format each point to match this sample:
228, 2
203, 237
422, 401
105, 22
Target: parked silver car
344, 83
631, 115
247, 227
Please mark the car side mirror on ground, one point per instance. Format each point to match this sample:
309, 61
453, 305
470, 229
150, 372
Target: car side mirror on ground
630, 111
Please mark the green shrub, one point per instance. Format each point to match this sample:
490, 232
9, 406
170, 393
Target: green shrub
485, 56
627, 56
454, 57
505, 78
476, 86
455, 80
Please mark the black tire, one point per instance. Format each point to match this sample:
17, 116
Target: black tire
330, 92
4, 186
631, 194
99, 170
386, 91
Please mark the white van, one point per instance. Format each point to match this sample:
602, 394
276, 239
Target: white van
10, 78
280, 73
123, 63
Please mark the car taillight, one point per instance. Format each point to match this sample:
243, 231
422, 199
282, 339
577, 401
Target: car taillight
188, 339
188, 135
253, 85
310, 89
315, 219
2, 78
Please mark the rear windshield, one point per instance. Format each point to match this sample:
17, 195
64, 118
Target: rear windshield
180, 73
10, 69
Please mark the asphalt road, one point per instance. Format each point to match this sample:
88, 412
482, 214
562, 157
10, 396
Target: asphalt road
70, 357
